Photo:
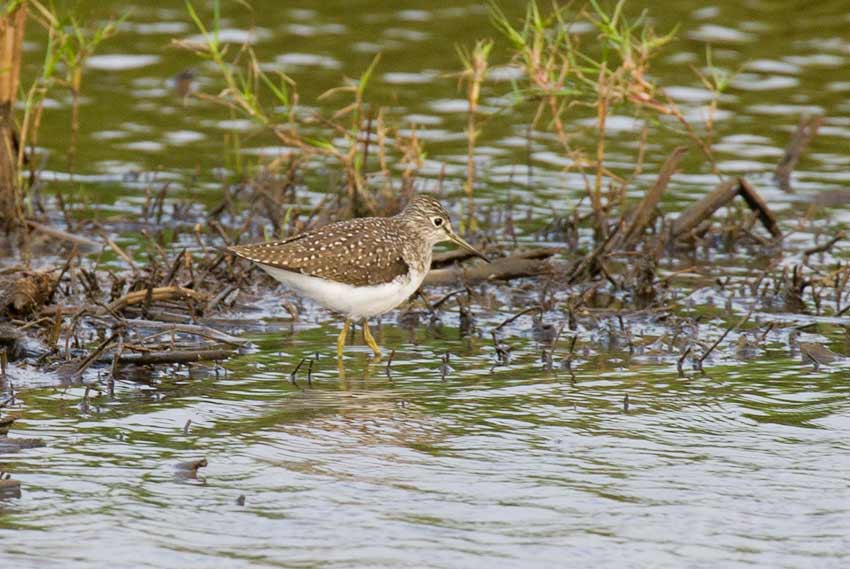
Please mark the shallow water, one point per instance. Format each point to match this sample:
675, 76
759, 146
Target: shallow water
478, 465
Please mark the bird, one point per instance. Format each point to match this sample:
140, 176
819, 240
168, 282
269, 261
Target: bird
362, 267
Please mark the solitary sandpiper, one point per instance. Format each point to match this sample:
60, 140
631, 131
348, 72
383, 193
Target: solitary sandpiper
360, 268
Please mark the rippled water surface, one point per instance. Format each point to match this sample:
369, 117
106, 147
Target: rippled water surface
465, 464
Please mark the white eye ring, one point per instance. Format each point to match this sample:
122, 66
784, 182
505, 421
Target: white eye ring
437, 221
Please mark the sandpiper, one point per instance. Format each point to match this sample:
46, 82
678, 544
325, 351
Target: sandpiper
363, 267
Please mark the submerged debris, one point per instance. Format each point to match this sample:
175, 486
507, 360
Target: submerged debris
818, 355
177, 300
9, 488
801, 138
24, 292
192, 465
5, 425
692, 218
188, 470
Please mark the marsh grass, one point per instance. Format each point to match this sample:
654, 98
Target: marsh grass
75, 41
270, 99
12, 23
70, 42
475, 66
564, 77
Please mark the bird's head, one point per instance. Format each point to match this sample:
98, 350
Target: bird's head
431, 220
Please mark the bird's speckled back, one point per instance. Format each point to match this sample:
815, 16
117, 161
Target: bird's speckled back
364, 251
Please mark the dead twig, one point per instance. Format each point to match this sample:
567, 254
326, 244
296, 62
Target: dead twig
294, 372
94, 355
119, 251
194, 329
645, 211
156, 295
722, 337
727, 191
171, 357
446, 297
589, 264
505, 268
757, 204
806, 131
517, 315
63, 235
825, 246
680, 363
390, 363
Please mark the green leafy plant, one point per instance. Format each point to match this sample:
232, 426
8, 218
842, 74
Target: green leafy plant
612, 72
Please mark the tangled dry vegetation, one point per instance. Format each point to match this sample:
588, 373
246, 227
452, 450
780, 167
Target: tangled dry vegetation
176, 299
104, 308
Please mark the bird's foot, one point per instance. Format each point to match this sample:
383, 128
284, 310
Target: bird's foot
340, 342
370, 341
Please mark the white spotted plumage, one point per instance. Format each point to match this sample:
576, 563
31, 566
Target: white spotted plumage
362, 267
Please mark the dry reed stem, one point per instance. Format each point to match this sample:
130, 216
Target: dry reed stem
11, 44
155, 295
646, 209
806, 131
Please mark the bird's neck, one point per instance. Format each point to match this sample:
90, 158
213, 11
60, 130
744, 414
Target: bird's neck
417, 254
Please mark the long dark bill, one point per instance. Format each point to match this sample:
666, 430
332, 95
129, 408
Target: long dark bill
457, 240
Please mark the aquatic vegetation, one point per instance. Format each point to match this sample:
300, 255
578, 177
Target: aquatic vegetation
662, 324
70, 42
562, 75
474, 73
12, 22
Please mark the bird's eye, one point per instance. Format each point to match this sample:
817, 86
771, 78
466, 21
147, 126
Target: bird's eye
438, 221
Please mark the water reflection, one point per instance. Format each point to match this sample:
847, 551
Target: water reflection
479, 466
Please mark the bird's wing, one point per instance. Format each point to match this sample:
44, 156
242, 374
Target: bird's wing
358, 252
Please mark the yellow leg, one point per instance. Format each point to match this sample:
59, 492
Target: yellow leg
340, 342
370, 341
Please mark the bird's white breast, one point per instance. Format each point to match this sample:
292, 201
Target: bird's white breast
352, 301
